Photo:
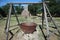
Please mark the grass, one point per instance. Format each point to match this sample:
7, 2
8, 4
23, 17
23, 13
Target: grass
2, 26
21, 19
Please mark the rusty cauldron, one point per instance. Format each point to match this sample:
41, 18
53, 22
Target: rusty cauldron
28, 27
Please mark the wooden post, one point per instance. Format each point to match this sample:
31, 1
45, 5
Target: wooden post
8, 22
47, 25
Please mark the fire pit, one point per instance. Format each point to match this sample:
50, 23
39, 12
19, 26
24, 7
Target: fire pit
28, 27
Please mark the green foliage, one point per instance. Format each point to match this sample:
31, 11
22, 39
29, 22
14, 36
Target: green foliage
6, 8
19, 9
34, 8
2, 13
54, 7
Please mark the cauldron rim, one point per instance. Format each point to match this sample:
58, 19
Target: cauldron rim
28, 24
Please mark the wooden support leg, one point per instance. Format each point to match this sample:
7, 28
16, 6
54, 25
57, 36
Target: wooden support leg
47, 25
42, 20
16, 16
8, 22
52, 19
11, 35
43, 33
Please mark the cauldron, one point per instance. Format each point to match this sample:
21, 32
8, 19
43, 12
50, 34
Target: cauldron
28, 27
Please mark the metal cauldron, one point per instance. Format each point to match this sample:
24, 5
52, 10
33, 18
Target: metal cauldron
28, 27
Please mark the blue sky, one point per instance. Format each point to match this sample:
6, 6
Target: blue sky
3, 2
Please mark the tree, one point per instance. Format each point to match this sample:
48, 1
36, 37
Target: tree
34, 8
54, 7
2, 13
19, 9
6, 8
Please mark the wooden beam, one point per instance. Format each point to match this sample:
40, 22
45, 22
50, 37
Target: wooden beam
25, 3
29, 2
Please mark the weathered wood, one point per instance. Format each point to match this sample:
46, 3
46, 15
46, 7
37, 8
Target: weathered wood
47, 25
8, 22
43, 32
26, 3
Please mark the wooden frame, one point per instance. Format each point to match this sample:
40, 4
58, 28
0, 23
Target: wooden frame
44, 15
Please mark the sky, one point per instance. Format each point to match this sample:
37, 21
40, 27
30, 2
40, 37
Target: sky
4, 2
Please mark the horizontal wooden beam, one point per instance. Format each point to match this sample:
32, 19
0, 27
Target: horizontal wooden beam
25, 3
29, 2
